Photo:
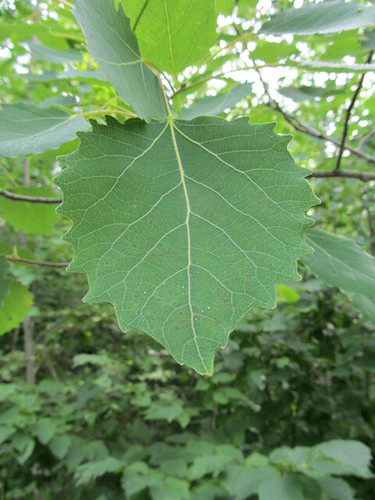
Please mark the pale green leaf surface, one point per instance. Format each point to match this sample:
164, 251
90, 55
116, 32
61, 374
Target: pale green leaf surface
336, 488
184, 226
324, 17
45, 53
225, 6
28, 128
31, 218
280, 488
15, 307
4, 283
213, 105
354, 456
341, 263
114, 46
173, 35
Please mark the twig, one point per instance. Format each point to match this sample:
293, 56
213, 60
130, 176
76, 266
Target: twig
31, 199
300, 126
12, 258
351, 174
364, 139
348, 112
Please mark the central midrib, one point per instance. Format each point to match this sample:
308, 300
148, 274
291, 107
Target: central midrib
187, 223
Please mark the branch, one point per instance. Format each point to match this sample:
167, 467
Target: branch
32, 199
300, 126
36, 262
352, 174
348, 112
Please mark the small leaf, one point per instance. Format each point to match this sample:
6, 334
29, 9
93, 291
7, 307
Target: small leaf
28, 128
187, 226
31, 218
173, 35
341, 263
114, 46
15, 307
324, 17
213, 105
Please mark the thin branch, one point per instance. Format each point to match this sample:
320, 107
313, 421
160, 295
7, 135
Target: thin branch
365, 138
348, 112
12, 258
31, 199
350, 174
300, 126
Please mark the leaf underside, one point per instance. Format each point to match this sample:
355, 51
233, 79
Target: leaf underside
184, 226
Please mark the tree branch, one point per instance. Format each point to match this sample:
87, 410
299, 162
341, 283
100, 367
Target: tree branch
365, 138
350, 174
31, 199
300, 126
348, 112
12, 258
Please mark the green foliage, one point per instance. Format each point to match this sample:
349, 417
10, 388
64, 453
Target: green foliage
15, 306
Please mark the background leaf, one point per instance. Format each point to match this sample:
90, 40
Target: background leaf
340, 262
15, 307
115, 48
324, 17
173, 35
31, 218
28, 128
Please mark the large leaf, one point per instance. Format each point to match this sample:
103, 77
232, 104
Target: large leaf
28, 128
15, 307
281, 488
324, 17
31, 218
173, 35
185, 225
341, 263
213, 105
115, 48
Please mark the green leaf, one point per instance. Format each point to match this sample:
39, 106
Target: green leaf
53, 55
114, 46
59, 445
280, 487
213, 105
15, 307
28, 128
336, 488
45, 429
173, 35
341, 263
31, 218
174, 256
353, 456
324, 17
225, 6
87, 472
4, 283
287, 293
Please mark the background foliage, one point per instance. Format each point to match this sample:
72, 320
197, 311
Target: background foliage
289, 411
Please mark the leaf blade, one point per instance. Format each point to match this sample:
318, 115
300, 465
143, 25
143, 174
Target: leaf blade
152, 256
